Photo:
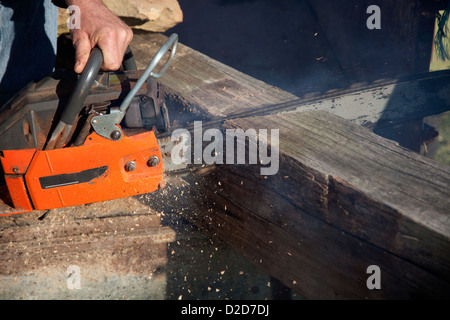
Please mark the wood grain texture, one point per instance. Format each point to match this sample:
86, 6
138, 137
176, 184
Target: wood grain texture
212, 89
343, 199
311, 256
120, 237
199, 80
368, 186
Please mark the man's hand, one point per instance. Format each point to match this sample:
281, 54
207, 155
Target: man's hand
99, 26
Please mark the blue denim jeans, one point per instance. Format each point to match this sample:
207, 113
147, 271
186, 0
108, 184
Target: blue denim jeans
28, 34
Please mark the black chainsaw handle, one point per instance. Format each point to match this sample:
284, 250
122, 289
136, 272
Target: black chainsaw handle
84, 84
86, 80
128, 60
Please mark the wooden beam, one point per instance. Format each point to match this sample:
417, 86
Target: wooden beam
117, 237
362, 185
212, 89
343, 199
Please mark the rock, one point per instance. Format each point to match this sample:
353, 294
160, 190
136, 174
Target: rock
149, 15
63, 15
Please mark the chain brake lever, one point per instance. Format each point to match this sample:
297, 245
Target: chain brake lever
107, 125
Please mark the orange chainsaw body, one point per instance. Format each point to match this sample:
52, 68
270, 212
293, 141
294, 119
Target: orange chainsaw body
69, 139
99, 170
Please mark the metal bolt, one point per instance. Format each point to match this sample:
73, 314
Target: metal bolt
130, 166
16, 170
153, 161
115, 135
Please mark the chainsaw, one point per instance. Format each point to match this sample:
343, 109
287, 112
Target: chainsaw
68, 141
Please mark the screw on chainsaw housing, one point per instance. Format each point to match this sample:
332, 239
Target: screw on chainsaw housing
153, 161
130, 166
115, 135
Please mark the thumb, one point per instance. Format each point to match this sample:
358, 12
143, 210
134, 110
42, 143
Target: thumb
83, 48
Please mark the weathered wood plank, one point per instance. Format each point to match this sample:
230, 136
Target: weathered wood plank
198, 79
368, 185
333, 209
120, 237
307, 254
343, 199
216, 90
